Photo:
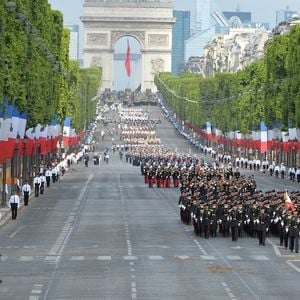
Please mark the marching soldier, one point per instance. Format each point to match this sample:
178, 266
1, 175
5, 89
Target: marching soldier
54, 174
213, 221
48, 175
36, 184
14, 202
262, 226
26, 189
206, 219
294, 230
235, 219
175, 176
43, 181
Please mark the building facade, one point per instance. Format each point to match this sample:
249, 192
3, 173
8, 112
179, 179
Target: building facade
234, 51
181, 32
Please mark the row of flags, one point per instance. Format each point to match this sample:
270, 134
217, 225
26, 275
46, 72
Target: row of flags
264, 139
70, 138
13, 128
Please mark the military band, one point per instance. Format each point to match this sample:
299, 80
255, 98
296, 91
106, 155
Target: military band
215, 198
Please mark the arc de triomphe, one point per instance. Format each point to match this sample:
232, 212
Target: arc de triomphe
148, 21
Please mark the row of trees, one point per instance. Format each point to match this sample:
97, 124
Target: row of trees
36, 73
268, 90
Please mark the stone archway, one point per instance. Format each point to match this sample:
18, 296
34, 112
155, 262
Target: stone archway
150, 22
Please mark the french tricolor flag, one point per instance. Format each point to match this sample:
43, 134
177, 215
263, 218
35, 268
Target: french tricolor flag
6, 127
13, 133
208, 131
66, 131
263, 137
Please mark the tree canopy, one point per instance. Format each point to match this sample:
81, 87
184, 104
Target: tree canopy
267, 90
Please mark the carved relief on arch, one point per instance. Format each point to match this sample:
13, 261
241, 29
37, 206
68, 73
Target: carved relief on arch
140, 35
158, 65
96, 61
97, 39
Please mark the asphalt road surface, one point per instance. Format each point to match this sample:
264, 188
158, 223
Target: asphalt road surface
101, 233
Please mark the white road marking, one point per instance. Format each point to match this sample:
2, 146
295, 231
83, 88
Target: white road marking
275, 247
291, 264
77, 258
3, 258
53, 258
208, 257
16, 231
155, 257
228, 290
183, 257
234, 257
106, 258
129, 257
26, 258
260, 257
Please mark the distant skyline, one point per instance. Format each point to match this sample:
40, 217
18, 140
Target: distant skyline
262, 10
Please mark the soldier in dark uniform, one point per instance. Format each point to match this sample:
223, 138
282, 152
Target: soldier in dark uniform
235, 219
294, 232
213, 221
199, 217
225, 221
262, 226
286, 228
206, 221
175, 176
159, 177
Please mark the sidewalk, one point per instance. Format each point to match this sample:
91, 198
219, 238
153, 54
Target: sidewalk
5, 212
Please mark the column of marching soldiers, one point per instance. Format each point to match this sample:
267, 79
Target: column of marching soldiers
44, 176
217, 201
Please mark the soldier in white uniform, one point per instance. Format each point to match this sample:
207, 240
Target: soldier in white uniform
26, 189
282, 170
37, 185
43, 182
48, 175
14, 203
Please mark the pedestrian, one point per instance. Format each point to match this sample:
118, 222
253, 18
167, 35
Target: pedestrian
14, 203
26, 189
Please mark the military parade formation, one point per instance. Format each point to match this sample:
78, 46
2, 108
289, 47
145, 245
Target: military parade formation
214, 197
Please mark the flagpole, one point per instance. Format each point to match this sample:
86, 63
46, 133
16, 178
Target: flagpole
128, 64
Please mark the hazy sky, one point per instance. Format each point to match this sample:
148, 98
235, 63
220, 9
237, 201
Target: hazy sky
263, 10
